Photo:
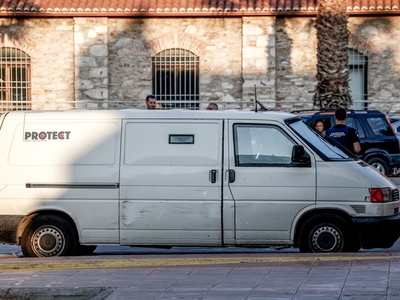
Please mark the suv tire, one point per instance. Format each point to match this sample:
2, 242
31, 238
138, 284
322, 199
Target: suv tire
379, 164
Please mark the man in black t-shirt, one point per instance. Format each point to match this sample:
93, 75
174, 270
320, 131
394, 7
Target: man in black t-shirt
344, 137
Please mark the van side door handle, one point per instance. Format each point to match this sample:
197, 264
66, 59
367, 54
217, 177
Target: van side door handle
232, 176
213, 176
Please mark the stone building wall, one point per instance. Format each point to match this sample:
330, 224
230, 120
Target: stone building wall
106, 62
216, 41
91, 62
259, 61
50, 45
296, 60
378, 39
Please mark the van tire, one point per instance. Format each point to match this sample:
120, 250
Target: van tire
327, 233
379, 164
49, 235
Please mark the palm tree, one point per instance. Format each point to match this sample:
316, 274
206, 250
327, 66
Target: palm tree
332, 67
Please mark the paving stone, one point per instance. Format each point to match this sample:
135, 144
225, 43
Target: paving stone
372, 277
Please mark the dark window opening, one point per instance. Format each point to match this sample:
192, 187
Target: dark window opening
176, 79
15, 82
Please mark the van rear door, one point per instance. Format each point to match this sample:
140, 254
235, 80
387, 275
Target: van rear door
171, 182
268, 192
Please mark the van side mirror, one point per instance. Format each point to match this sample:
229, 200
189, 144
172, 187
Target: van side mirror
299, 157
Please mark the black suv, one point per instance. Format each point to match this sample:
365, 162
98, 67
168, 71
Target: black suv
379, 143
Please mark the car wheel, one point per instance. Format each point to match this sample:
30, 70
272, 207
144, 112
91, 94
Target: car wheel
327, 233
379, 164
49, 235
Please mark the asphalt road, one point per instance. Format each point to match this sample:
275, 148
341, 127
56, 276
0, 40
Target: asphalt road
6, 250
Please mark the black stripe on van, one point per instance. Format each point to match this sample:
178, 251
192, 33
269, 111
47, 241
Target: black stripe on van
73, 185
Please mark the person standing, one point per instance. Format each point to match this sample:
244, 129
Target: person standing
344, 137
151, 102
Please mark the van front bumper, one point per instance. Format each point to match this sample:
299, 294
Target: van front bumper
8, 229
380, 232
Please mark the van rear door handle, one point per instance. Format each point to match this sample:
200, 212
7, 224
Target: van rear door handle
232, 176
213, 176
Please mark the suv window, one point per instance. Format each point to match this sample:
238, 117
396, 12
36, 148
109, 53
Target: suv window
355, 123
379, 126
327, 121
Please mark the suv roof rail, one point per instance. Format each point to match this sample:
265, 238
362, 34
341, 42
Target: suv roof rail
303, 110
367, 111
351, 111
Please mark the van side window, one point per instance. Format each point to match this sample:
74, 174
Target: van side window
261, 145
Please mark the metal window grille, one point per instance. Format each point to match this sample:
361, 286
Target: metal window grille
175, 74
358, 67
15, 84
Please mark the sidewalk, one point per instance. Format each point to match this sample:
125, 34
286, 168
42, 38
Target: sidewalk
358, 276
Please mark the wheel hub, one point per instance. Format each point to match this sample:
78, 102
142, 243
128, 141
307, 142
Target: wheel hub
48, 241
327, 239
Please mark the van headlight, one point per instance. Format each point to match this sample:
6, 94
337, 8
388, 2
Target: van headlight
379, 195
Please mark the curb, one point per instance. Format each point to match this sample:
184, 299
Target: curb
105, 263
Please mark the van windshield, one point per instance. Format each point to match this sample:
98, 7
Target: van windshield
326, 150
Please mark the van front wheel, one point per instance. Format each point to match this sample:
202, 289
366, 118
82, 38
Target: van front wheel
327, 233
49, 235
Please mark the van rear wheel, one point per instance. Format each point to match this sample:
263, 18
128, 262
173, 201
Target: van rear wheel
49, 235
327, 233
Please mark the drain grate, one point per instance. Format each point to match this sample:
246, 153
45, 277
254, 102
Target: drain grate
77, 293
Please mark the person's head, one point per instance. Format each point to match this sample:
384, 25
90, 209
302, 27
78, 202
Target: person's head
212, 106
319, 126
341, 114
151, 102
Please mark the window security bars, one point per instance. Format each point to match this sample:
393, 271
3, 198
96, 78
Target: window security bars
175, 78
15, 84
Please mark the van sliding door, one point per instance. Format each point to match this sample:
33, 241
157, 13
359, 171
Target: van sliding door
171, 182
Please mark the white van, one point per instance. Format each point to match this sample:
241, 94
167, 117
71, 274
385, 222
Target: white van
72, 180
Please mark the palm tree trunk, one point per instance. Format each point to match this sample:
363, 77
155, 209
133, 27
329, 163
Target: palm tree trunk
332, 89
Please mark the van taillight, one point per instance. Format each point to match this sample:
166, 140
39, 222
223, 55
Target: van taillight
379, 195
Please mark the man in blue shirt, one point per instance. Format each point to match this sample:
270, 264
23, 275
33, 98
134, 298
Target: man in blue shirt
344, 137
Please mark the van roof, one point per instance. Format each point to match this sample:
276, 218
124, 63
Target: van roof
149, 114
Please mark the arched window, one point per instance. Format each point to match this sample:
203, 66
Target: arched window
15, 79
358, 67
175, 79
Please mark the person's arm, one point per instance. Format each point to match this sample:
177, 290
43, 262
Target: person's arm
357, 147
356, 140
